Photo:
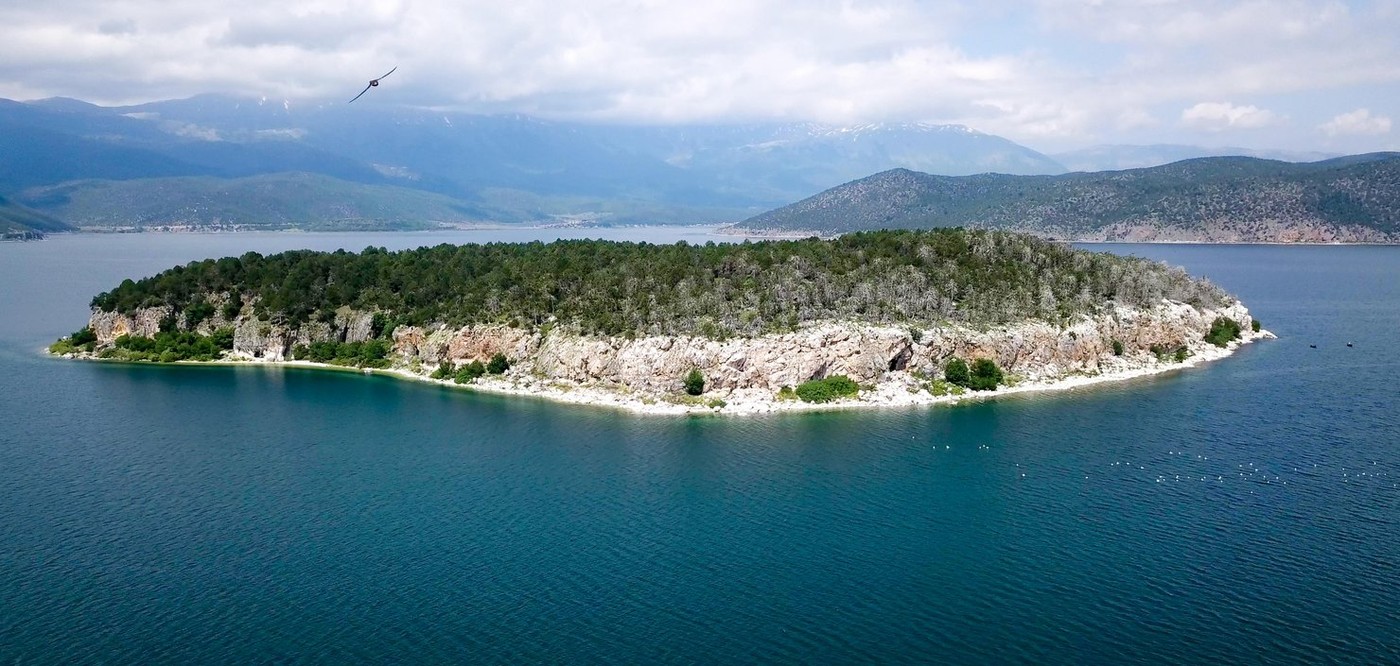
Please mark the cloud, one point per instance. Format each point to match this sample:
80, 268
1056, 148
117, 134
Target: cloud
1027, 69
1359, 121
1217, 116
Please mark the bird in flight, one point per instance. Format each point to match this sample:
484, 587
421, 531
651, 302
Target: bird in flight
373, 83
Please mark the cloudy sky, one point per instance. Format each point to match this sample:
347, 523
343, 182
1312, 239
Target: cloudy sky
1312, 75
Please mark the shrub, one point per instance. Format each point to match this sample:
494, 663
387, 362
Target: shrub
694, 382
916, 334
443, 371
1117, 347
233, 307
469, 373
956, 372
938, 387
1222, 331
82, 336
786, 393
1255, 325
828, 389
1181, 353
223, 338
498, 364
985, 375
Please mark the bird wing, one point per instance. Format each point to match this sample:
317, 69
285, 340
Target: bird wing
361, 93
388, 72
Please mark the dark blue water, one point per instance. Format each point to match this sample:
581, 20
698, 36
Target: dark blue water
1244, 512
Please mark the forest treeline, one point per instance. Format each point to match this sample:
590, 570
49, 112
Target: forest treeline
716, 290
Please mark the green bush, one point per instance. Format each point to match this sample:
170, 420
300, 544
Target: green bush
443, 371
233, 306
1117, 347
1181, 354
985, 375
694, 382
170, 346
469, 373
828, 389
498, 364
1222, 331
956, 372
1255, 325
786, 393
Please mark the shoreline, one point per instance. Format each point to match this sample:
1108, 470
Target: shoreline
894, 392
718, 230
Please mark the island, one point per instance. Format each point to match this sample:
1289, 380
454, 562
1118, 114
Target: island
866, 319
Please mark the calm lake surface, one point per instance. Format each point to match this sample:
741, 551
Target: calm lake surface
1247, 512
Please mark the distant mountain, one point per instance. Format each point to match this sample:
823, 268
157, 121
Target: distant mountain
270, 201
1222, 199
19, 221
1120, 157
604, 172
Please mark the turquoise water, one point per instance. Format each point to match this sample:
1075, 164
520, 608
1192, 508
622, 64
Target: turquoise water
1244, 512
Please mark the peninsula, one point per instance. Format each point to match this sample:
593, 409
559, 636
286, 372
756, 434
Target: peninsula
872, 318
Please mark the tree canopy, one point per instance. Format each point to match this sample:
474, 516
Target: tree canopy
713, 290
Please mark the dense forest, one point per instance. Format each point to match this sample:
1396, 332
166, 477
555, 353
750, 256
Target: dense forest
715, 290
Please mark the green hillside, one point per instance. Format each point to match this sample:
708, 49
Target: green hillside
1225, 198
19, 221
271, 201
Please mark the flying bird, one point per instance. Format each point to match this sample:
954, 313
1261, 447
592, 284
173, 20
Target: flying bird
373, 83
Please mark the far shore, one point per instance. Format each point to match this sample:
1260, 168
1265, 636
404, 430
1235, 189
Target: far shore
898, 392
719, 230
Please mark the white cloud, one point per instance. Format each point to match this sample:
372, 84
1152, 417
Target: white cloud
1359, 121
1217, 116
1039, 70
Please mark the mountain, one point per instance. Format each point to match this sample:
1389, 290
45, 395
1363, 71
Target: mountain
1220, 199
1119, 157
275, 201
607, 173
18, 221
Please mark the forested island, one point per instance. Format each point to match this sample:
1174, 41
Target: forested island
884, 317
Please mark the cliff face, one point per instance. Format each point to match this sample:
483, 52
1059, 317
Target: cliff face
655, 365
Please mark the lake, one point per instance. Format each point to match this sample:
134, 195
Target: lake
1244, 512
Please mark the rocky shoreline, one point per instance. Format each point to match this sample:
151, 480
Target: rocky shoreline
894, 365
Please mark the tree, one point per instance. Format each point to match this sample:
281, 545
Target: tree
694, 382
985, 375
956, 372
498, 364
1222, 331
469, 372
1117, 347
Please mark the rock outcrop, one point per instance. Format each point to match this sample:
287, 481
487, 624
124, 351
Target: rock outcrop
869, 354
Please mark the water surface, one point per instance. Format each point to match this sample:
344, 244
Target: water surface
1243, 512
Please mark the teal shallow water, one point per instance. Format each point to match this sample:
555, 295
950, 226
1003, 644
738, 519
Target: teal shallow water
1244, 512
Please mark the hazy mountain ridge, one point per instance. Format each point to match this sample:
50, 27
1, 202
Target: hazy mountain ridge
628, 173
18, 221
1235, 199
1118, 157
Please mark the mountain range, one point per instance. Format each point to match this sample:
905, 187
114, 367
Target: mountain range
217, 161
221, 162
1215, 199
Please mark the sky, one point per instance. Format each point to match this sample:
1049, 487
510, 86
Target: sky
1301, 75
